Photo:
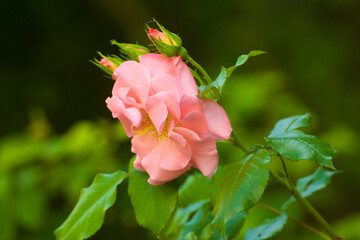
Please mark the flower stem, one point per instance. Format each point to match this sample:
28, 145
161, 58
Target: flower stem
288, 185
235, 139
295, 221
313, 212
198, 67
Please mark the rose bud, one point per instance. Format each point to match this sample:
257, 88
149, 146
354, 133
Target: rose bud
131, 51
168, 43
108, 64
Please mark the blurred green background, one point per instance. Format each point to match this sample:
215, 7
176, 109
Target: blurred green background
57, 133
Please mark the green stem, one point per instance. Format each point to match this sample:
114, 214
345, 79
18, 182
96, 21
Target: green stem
288, 185
198, 67
313, 212
235, 139
295, 221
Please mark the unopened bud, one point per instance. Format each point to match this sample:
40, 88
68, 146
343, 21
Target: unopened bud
131, 51
166, 42
108, 64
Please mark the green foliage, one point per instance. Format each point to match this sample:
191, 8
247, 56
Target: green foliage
196, 223
232, 228
268, 229
181, 217
310, 184
291, 123
239, 186
153, 205
295, 145
195, 188
89, 213
214, 89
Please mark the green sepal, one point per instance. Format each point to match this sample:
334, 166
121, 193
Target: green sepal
130, 51
113, 58
169, 50
174, 38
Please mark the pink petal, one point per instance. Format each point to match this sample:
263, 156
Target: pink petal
175, 155
135, 96
127, 125
192, 115
142, 144
131, 73
218, 121
190, 104
187, 81
204, 153
167, 83
127, 116
171, 103
167, 175
166, 150
140, 93
157, 112
158, 64
137, 164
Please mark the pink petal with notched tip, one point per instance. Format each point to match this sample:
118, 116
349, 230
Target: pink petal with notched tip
158, 64
131, 73
204, 153
157, 112
187, 81
166, 83
218, 121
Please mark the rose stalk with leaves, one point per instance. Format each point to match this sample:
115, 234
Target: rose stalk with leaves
173, 115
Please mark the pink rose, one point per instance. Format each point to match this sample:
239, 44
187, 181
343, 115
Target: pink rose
173, 130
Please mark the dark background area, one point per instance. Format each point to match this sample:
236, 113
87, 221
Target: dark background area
48, 86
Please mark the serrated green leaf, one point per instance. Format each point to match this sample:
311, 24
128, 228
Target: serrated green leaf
310, 184
89, 212
181, 217
195, 188
296, 145
239, 186
190, 236
153, 205
268, 229
291, 123
232, 228
196, 224
213, 90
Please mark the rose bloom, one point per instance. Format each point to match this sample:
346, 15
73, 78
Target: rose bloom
172, 129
